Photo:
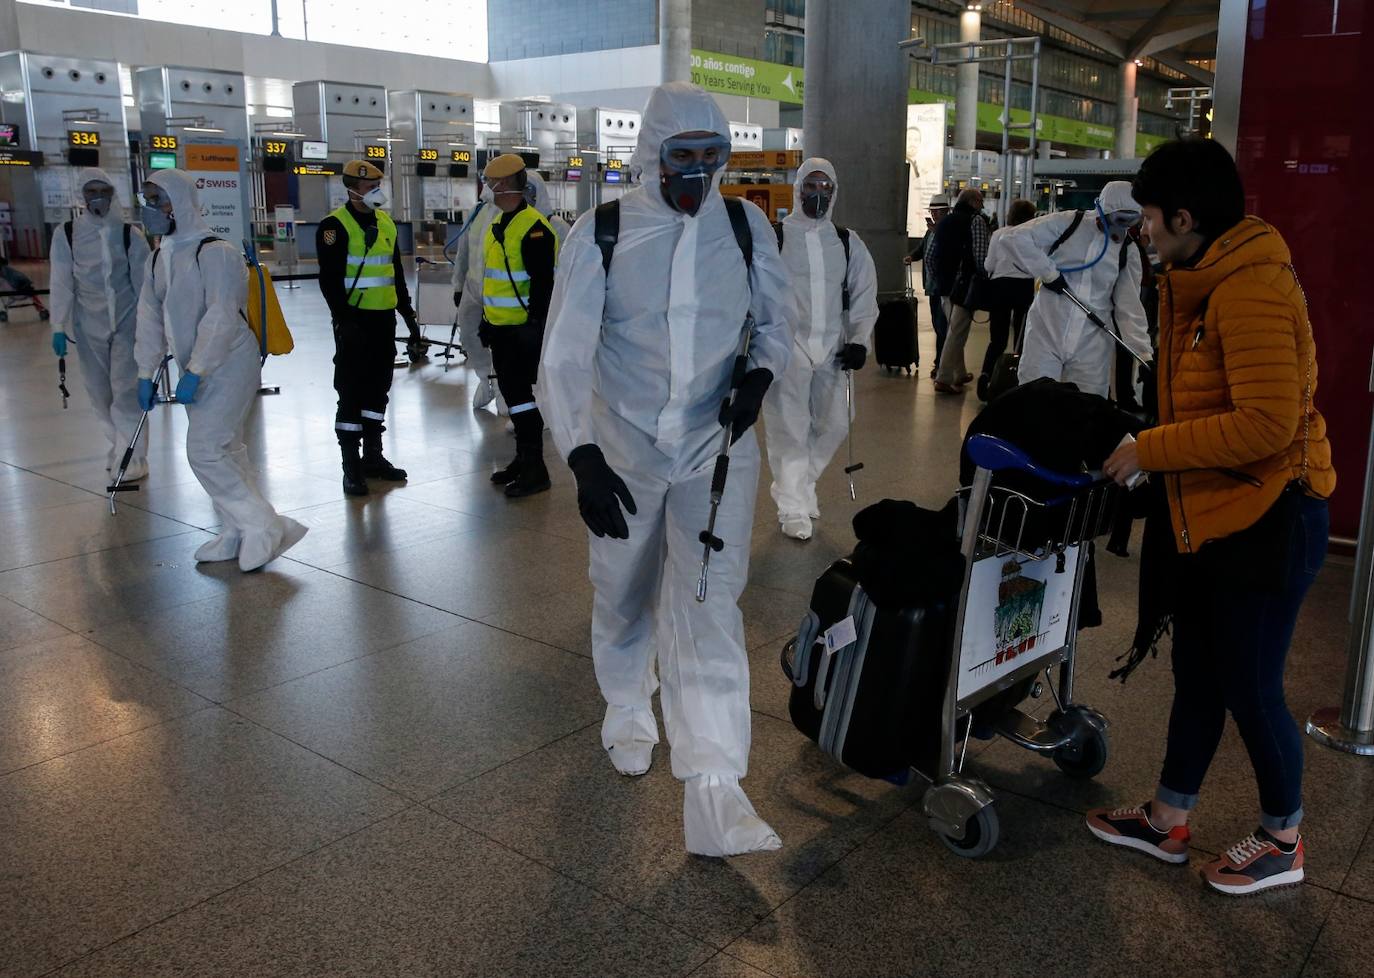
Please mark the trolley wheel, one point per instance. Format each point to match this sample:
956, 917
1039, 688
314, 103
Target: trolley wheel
44, 315
1084, 758
980, 835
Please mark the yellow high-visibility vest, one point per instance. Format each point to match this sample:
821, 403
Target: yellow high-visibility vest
373, 267
506, 286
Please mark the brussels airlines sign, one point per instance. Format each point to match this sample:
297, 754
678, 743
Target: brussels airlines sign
725, 74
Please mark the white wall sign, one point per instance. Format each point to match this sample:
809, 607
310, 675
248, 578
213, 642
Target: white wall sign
219, 184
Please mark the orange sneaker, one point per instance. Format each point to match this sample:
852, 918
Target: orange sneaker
1256, 863
1132, 828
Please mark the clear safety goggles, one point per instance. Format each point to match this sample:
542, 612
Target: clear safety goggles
818, 185
154, 199
1123, 219
97, 189
683, 153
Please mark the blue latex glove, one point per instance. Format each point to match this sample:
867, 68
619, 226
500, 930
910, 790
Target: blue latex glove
59, 343
147, 394
186, 387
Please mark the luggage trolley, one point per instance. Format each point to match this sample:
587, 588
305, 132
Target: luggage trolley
1016, 616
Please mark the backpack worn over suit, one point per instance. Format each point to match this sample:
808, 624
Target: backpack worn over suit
262, 305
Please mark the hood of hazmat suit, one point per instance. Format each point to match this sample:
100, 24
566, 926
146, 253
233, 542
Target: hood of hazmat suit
806, 408
637, 361
543, 203
1060, 342
95, 282
192, 296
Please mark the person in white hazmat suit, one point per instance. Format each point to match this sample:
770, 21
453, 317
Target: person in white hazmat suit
637, 364
468, 269
192, 301
96, 278
807, 412
1059, 341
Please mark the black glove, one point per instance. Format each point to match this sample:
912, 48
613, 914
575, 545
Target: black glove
484, 334
742, 414
1059, 285
598, 488
457, 299
852, 356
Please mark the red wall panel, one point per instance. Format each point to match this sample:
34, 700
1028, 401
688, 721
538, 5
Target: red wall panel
1306, 153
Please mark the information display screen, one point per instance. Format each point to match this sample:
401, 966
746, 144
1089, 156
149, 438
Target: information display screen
314, 151
9, 135
83, 138
162, 161
427, 155
373, 152
274, 147
162, 143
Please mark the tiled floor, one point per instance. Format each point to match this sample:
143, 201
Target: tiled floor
381, 756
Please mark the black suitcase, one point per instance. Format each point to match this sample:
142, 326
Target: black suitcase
873, 703
894, 335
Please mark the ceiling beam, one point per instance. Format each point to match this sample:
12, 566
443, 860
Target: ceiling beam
1137, 41
1145, 13
1172, 39
1099, 38
1199, 75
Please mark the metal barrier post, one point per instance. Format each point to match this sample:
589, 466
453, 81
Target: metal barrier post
1351, 727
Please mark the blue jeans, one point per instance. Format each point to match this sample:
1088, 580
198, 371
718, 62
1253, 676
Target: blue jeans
940, 324
1233, 623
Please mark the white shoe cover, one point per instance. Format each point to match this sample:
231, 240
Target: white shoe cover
717, 819
138, 469
259, 549
482, 396
223, 547
796, 526
629, 734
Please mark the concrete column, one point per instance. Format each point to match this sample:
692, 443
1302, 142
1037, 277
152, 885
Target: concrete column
675, 39
966, 85
1127, 114
9, 27
854, 114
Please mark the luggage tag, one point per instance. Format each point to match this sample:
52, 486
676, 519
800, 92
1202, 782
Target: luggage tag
841, 634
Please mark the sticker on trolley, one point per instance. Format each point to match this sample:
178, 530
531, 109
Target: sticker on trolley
1017, 614
841, 634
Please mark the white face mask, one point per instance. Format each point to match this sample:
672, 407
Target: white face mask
373, 199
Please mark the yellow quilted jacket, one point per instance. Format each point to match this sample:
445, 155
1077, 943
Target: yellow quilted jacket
1237, 381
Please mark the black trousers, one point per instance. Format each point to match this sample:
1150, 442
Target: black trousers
1011, 301
364, 355
515, 358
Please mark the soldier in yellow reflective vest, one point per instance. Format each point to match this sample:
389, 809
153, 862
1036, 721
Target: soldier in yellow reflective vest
520, 250
364, 283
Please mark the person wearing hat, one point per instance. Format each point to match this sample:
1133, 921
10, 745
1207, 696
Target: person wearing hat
925, 254
520, 249
364, 284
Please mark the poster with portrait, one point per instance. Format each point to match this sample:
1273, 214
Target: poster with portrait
925, 162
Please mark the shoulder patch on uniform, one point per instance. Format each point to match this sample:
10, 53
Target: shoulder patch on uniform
330, 236
537, 233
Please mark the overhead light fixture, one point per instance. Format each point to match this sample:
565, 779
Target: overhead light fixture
292, 135
201, 129
1139, 63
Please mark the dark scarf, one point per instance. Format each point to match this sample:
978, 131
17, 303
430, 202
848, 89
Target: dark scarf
1160, 570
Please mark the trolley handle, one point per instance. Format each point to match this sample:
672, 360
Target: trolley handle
992, 453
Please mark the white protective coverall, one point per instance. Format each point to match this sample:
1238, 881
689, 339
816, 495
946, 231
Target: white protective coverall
805, 410
638, 362
193, 305
469, 267
95, 285
1060, 342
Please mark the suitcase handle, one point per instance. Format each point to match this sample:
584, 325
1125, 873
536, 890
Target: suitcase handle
995, 455
787, 651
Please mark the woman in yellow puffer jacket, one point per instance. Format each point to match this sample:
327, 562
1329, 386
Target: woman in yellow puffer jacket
1245, 466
